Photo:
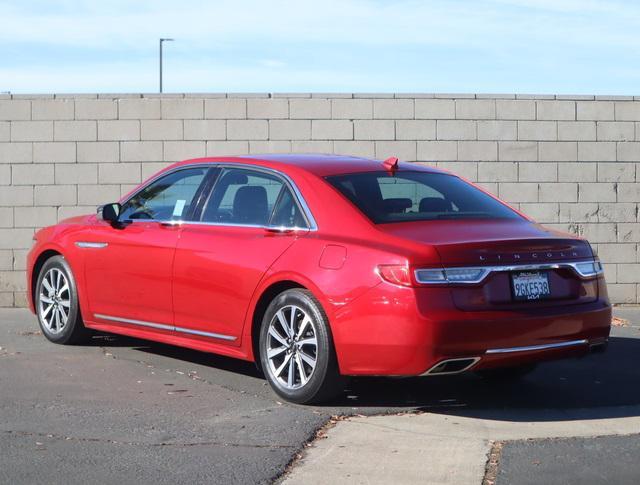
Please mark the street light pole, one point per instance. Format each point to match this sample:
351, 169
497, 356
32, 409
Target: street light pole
161, 41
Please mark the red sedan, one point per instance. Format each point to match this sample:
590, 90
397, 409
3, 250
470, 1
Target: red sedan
321, 267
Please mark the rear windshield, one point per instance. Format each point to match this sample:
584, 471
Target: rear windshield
417, 196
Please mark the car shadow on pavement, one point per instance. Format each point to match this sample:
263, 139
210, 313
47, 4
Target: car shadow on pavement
602, 385
219, 362
181, 354
99, 339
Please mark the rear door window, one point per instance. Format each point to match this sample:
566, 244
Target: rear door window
287, 213
243, 197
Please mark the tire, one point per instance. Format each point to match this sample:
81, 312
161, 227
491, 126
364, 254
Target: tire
289, 364
56, 303
503, 374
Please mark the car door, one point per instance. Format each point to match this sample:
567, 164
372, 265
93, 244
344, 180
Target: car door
129, 265
250, 218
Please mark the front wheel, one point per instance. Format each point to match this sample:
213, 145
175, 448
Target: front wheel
56, 302
296, 349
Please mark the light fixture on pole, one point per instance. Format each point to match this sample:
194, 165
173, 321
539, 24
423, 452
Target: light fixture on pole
161, 41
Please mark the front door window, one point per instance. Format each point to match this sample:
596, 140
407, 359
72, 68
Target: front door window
172, 197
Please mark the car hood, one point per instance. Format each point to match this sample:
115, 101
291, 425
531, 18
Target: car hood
76, 219
483, 242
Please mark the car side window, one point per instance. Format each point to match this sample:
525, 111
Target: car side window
169, 198
243, 196
286, 212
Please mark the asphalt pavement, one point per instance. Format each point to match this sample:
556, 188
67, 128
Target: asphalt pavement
128, 411
577, 461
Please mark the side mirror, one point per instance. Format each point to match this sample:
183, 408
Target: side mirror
109, 212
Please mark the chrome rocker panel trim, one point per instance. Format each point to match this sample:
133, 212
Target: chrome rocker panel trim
559, 345
162, 326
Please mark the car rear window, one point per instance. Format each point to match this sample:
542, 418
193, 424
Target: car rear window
387, 197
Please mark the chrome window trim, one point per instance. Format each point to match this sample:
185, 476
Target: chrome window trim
179, 222
487, 270
162, 326
559, 345
288, 182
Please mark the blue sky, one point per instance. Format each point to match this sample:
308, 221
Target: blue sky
481, 46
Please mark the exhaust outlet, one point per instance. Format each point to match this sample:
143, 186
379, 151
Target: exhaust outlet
452, 366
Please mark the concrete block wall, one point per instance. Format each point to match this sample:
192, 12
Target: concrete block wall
571, 162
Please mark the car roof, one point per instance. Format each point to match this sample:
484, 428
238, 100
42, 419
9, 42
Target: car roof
318, 164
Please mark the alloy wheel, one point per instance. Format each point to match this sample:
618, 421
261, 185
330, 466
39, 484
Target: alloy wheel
54, 300
292, 347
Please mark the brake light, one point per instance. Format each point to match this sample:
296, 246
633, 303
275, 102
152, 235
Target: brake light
396, 274
399, 274
450, 275
589, 268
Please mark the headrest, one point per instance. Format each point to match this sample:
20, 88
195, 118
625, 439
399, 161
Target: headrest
397, 204
250, 205
434, 204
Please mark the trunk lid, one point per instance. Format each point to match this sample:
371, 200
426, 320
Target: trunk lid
504, 243
492, 242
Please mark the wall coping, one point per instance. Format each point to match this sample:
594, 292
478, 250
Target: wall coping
573, 97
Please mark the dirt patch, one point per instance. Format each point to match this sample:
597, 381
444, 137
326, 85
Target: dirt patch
619, 322
33, 333
493, 461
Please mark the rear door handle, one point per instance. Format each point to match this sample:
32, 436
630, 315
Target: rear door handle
170, 223
279, 230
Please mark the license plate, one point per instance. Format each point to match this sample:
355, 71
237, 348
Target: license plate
530, 285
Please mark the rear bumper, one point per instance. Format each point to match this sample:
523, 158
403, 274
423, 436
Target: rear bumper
510, 356
408, 331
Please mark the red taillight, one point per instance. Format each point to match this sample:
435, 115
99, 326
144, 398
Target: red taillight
395, 273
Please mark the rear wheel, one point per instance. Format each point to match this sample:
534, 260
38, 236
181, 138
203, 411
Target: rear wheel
296, 349
56, 302
502, 374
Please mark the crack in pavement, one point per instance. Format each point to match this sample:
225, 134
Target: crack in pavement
18, 433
